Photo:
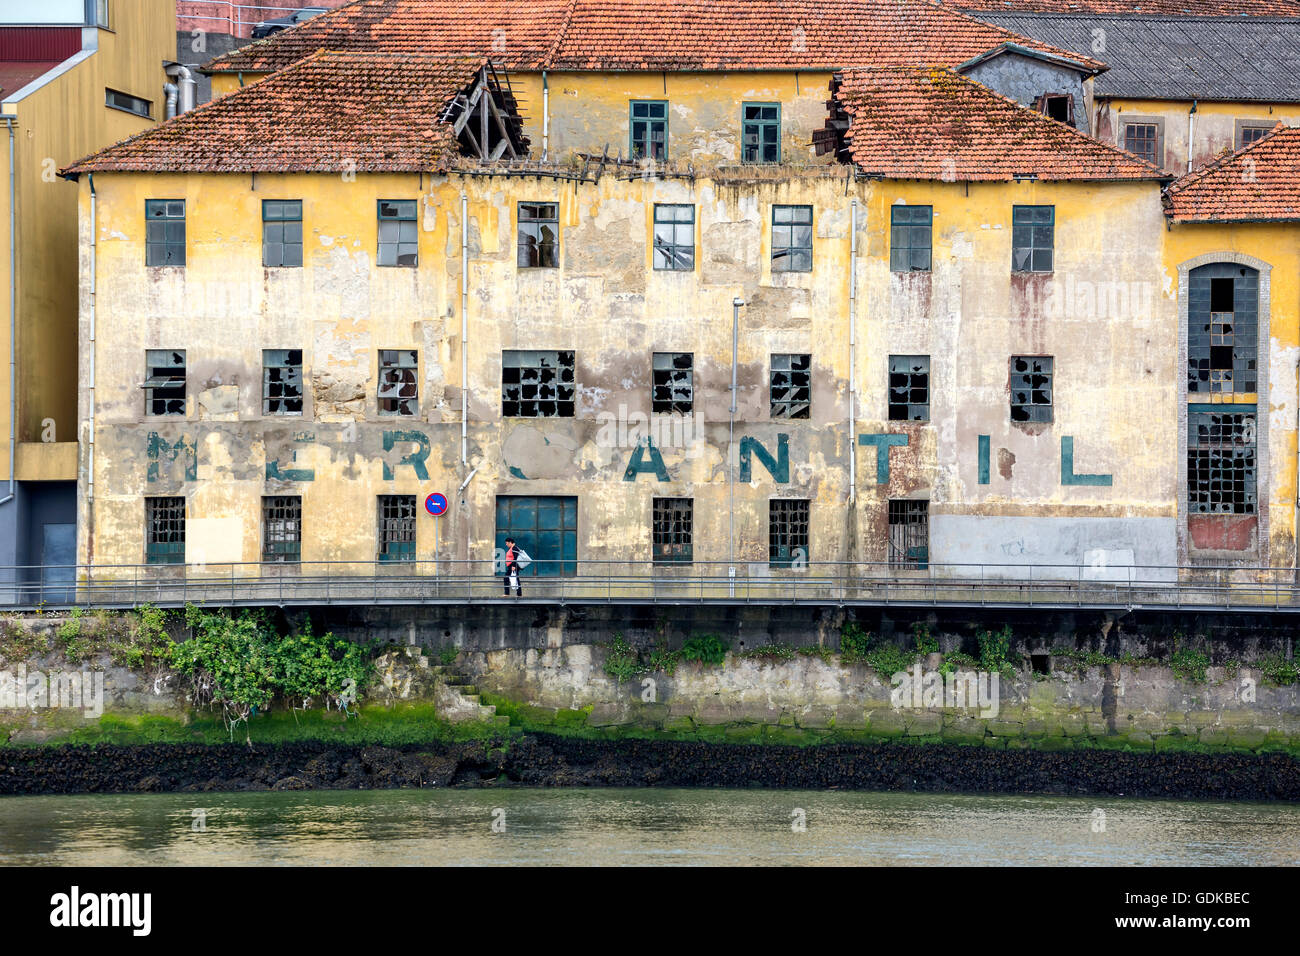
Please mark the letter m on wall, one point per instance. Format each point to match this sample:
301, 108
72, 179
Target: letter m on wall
174, 461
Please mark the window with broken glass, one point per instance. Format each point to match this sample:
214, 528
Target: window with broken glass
164, 384
1221, 451
649, 122
910, 238
164, 232
673, 524
537, 384
790, 391
909, 533
792, 238
909, 388
282, 390
282, 233
760, 133
398, 235
1033, 238
1031, 388
396, 528
1143, 140
164, 530
398, 391
282, 529
1222, 329
787, 532
673, 383
674, 237
539, 235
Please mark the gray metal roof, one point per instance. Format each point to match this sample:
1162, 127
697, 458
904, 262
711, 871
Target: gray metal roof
1177, 58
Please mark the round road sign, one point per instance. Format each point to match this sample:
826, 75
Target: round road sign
436, 504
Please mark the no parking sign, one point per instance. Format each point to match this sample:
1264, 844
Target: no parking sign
436, 504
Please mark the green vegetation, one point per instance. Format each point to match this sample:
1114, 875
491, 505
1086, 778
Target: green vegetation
1279, 671
622, 660
1189, 663
708, 649
770, 652
447, 655
995, 651
925, 642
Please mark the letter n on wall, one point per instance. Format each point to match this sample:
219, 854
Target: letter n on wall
778, 467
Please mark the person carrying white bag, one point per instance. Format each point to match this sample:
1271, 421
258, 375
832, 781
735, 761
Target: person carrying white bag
516, 560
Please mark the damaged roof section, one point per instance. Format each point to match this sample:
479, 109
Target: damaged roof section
336, 112
650, 34
930, 123
1259, 183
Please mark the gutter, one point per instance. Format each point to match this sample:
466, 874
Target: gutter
13, 317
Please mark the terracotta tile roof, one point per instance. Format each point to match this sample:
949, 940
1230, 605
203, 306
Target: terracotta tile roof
1175, 8
650, 34
1260, 182
930, 123
331, 112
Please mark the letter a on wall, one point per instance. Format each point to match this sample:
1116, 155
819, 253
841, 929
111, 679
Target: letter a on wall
637, 464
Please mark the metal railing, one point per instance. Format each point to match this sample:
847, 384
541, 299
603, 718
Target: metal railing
644, 582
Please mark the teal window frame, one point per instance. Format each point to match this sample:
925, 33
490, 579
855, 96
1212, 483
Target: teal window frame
164, 530
788, 228
1033, 239
674, 237
646, 124
911, 238
761, 125
399, 235
282, 233
396, 531
164, 232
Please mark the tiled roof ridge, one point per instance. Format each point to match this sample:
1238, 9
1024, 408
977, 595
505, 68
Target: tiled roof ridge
1196, 175
1019, 39
553, 53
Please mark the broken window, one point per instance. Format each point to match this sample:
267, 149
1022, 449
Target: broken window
1031, 388
397, 381
282, 233
1143, 141
674, 237
909, 388
909, 533
537, 384
164, 530
792, 239
164, 232
649, 129
673, 385
1057, 106
760, 133
673, 523
790, 392
1033, 236
398, 236
282, 382
910, 238
787, 532
282, 529
164, 384
539, 235
1222, 329
1221, 459
1250, 134
396, 528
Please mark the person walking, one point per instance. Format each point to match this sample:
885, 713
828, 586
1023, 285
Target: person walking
512, 569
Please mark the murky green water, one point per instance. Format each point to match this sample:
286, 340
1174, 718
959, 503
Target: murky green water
615, 826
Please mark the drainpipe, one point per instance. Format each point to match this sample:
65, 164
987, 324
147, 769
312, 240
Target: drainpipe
736, 305
90, 437
1191, 130
1295, 514
464, 329
546, 117
13, 317
172, 92
853, 349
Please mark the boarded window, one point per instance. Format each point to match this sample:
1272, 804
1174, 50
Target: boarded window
539, 235
398, 392
909, 388
1222, 329
673, 528
792, 238
1031, 388
790, 391
761, 133
1143, 140
398, 235
673, 385
909, 533
649, 129
1221, 459
282, 382
282, 528
1033, 238
164, 232
282, 233
537, 384
910, 238
164, 530
164, 384
674, 237
545, 527
787, 532
396, 528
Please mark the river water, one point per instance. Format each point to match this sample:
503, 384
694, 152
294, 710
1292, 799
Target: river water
639, 826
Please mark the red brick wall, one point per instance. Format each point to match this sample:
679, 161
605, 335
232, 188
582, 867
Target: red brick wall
237, 17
